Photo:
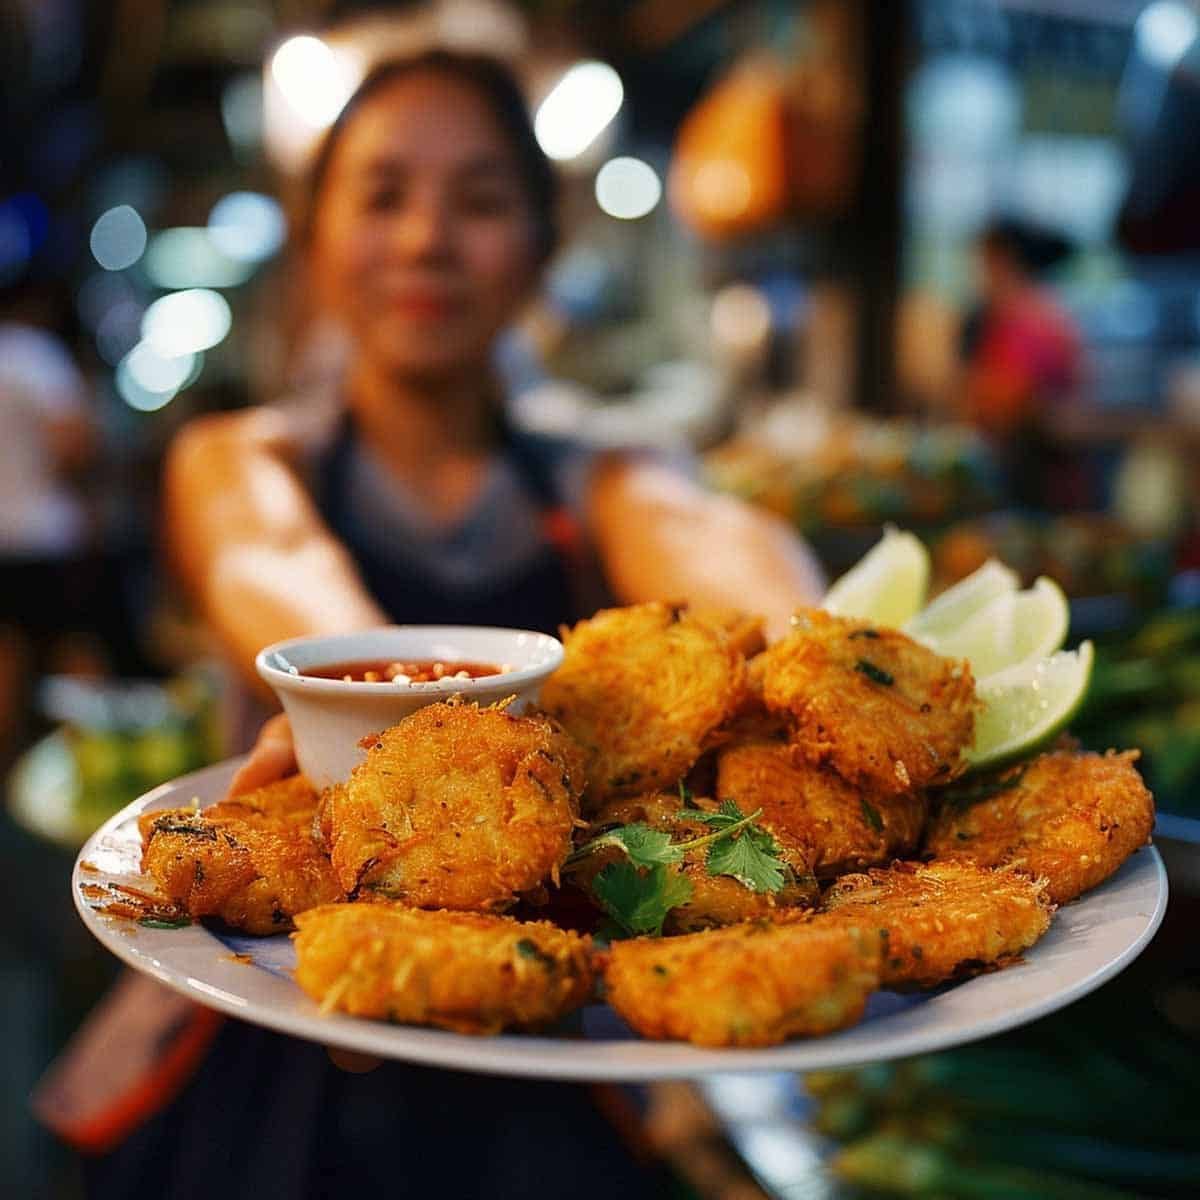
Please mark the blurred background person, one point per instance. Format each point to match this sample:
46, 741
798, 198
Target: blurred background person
47, 440
1022, 359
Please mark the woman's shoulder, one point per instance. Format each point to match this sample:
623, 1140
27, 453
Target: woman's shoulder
285, 431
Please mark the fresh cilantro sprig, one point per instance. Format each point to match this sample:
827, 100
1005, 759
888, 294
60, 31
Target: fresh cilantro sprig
639, 900
639, 892
643, 846
742, 849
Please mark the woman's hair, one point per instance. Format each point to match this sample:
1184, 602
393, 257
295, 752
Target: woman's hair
500, 92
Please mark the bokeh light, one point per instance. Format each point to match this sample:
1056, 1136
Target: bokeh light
118, 238
16, 244
722, 188
1165, 31
578, 109
187, 257
184, 322
314, 81
247, 226
627, 188
119, 330
741, 319
148, 380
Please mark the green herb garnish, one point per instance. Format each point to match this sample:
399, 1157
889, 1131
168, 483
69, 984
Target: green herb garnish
874, 673
871, 815
527, 948
640, 894
743, 850
643, 846
971, 791
160, 923
640, 900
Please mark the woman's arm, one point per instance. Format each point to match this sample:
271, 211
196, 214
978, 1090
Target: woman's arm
247, 542
661, 537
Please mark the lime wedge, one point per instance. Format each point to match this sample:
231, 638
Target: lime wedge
1017, 627
886, 585
1028, 704
963, 600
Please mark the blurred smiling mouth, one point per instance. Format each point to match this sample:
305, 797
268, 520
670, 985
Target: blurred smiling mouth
424, 304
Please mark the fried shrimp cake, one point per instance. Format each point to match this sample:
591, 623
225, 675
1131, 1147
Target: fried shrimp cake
643, 690
250, 862
814, 812
939, 921
469, 972
457, 807
884, 712
716, 899
1069, 818
754, 984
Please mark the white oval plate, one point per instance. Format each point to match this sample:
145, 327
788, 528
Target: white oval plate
1089, 942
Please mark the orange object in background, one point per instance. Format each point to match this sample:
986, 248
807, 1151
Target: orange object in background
773, 139
729, 174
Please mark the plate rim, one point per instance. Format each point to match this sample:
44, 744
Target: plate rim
557, 1058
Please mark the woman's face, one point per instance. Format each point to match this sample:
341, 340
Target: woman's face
424, 237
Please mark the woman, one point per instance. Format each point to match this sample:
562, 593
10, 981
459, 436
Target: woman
431, 218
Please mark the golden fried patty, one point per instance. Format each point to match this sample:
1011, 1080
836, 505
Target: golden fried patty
754, 984
814, 812
1069, 818
939, 921
457, 807
884, 712
716, 899
643, 689
469, 972
251, 862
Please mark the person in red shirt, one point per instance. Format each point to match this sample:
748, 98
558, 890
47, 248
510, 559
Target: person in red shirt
1022, 356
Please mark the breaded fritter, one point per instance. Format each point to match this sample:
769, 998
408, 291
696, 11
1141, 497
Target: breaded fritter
940, 921
643, 690
884, 712
814, 812
1066, 817
754, 984
716, 899
469, 972
457, 807
746, 631
250, 862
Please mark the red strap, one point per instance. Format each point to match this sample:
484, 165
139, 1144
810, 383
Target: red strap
135, 1051
563, 532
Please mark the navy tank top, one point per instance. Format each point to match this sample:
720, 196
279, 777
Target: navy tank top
427, 576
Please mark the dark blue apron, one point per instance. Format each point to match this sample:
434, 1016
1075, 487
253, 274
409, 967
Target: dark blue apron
542, 593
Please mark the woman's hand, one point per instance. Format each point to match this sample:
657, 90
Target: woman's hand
272, 757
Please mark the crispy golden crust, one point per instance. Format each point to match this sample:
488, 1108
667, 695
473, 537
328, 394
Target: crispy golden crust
881, 710
469, 972
814, 812
643, 690
281, 806
1069, 818
754, 984
250, 862
745, 631
941, 920
457, 807
716, 899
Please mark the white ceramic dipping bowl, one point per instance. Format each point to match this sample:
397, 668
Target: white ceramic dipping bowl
329, 716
